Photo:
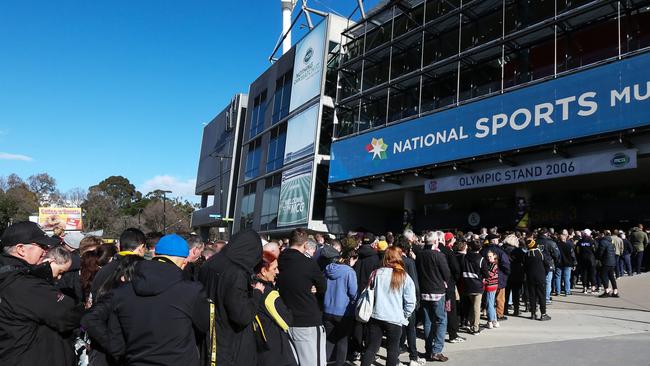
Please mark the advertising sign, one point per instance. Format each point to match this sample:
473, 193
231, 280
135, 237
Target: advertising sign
547, 169
607, 98
64, 217
308, 67
301, 133
294, 195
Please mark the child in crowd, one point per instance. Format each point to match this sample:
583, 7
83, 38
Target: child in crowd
491, 286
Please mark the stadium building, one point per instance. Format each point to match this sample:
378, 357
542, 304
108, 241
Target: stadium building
462, 114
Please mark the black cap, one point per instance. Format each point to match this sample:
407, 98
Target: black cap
368, 238
492, 236
26, 232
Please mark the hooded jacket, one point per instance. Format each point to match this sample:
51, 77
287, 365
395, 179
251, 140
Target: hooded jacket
154, 317
341, 290
297, 275
226, 277
536, 264
35, 318
368, 262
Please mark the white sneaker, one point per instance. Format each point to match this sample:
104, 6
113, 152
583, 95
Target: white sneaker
489, 325
495, 324
418, 362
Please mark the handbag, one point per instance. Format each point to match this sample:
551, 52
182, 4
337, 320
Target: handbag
366, 301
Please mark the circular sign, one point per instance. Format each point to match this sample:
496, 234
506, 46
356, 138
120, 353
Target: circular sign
474, 219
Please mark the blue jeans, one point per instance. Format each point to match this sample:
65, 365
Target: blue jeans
625, 264
549, 281
491, 310
434, 339
563, 274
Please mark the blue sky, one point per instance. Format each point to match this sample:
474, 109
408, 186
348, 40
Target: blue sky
90, 89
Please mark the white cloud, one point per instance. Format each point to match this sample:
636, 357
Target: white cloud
7, 156
179, 188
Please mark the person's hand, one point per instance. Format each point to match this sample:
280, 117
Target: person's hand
258, 286
313, 289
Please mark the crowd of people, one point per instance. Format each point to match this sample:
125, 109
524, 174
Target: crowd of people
310, 299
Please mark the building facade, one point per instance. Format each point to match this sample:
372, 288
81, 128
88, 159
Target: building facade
462, 114
287, 133
218, 168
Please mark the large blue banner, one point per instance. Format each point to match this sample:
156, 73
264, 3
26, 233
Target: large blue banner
607, 98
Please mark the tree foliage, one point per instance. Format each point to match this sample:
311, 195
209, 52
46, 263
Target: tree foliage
112, 205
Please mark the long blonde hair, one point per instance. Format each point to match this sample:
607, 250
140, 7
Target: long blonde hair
393, 259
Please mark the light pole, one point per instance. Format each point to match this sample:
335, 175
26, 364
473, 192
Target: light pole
164, 210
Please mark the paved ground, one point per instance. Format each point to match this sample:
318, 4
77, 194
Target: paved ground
585, 330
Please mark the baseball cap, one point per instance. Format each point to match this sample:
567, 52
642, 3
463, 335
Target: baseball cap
27, 232
448, 236
73, 239
172, 245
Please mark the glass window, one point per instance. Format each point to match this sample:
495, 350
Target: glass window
247, 207
373, 111
480, 74
439, 46
523, 13
350, 80
406, 56
281, 97
437, 8
635, 29
566, 5
257, 116
346, 116
481, 24
326, 130
353, 49
439, 87
375, 69
408, 21
527, 62
275, 156
404, 99
378, 36
583, 41
270, 202
253, 160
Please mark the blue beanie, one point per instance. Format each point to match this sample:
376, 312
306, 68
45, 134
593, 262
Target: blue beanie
172, 245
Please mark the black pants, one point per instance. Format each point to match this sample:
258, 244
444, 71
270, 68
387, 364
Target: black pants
588, 273
359, 337
637, 262
537, 294
607, 274
338, 330
377, 329
409, 334
452, 317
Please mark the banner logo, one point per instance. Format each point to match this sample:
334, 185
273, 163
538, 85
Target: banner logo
378, 148
620, 160
308, 54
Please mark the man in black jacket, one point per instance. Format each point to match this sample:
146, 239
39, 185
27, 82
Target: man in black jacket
298, 275
536, 265
35, 318
227, 277
607, 256
434, 274
566, 264
154, 317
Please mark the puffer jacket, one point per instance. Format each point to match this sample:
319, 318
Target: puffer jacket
606, 252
